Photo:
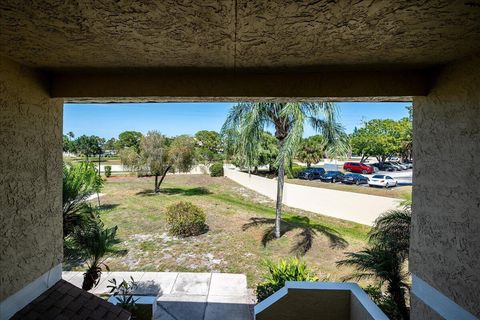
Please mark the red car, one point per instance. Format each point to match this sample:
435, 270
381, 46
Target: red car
358, 167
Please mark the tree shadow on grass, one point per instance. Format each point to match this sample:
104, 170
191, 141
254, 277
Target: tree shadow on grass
107, 206
198, 191
309, 230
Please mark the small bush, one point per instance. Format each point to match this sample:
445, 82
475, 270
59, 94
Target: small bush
108, 171
383, 300
279, 273
294, 171
185, 219
216, 169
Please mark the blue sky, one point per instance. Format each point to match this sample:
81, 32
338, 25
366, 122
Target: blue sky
108, 120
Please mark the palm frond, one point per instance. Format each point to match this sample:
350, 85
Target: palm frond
392, 230
295, 119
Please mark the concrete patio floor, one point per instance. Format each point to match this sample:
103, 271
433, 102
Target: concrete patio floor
185, 295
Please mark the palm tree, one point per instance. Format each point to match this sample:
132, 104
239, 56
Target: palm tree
392, 230
385, 258
386, 266
94, 243
288, 119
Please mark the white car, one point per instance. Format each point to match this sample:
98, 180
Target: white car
380, 180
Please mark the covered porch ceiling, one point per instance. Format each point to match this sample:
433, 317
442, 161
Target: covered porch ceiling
238, 48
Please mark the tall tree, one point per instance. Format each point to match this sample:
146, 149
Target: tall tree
159, 155
68, 143
208, 146
110, 144
88, 145
263, 153
312, 150
288, 119
129, 139
379, 138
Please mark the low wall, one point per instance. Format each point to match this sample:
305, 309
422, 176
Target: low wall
350, 206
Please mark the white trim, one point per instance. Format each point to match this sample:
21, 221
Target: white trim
27, 294
354, 289
439, 302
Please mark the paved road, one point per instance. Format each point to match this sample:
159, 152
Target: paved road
352, 206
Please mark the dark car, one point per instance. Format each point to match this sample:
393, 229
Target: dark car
311, 173
384, 166
354, 178
358, 167
332, 176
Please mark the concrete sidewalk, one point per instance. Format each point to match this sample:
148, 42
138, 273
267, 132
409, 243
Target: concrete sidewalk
351, 206
185, 295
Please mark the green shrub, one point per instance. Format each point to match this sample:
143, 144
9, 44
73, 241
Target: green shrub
294, 171
216, 169
185, 219
279, 273
108, 171
383, 300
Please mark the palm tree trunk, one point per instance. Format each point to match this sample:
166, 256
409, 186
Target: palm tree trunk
399, 297
280, 182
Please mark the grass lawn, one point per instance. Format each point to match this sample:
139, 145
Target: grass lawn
104, 161
228, 246
396, 192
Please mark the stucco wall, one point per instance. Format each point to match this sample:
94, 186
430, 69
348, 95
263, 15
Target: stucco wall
30, 179
445, 242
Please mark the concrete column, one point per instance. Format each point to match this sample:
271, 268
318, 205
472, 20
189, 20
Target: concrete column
30, 181
445, 241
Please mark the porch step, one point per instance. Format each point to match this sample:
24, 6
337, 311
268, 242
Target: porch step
185, 295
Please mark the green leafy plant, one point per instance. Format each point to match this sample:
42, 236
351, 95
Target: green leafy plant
94, 243
185, 219
123, 292
292, 173
216, 169
406, 201
383, 300
278, 273
80, 181
108, 171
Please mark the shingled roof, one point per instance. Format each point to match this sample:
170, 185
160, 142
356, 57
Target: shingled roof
65, 301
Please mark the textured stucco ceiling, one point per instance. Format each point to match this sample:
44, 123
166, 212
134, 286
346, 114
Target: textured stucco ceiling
238, 34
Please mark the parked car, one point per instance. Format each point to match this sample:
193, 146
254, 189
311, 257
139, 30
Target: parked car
380, 180
354, 178
358, 167
311, 173
398, 164
408, 163
384, 166
394, 166
332, 176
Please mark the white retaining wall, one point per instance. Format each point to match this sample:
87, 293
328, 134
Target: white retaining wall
356, 207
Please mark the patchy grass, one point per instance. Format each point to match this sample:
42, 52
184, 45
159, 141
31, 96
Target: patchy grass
396, 192
240, 224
